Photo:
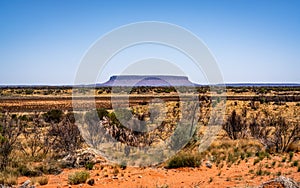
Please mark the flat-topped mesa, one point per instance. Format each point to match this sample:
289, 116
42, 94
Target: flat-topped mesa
148, 80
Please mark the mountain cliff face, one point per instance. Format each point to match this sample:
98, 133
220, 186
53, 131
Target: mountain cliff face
147, 80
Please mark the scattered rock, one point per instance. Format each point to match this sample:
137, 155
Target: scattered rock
280, 182
208, 164
140, 176
91, 182
80, 158
25, 184
115, 177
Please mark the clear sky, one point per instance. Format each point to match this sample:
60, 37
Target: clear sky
42, 42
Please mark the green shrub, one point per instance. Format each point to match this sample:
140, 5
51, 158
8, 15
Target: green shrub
259, 172
261, 155
184, 160
78, 177
89, 166
295, 163
232, 158
123, 165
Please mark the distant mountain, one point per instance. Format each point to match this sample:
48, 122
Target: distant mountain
147, 80
165, 81
153, 81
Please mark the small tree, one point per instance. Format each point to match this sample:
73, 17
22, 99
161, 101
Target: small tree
235, 126
54, 116
36, 141
10, 129
275, 133
66, 135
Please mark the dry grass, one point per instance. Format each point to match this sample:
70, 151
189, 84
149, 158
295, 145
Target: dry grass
8, 179
41, 180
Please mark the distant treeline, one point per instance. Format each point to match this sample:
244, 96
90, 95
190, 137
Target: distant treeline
259, 89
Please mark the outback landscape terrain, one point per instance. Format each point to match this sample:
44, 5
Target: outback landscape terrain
43, 145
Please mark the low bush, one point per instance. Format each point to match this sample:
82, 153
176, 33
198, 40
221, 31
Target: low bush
26, 170
89, 166
78, 177
184, 160
42, 180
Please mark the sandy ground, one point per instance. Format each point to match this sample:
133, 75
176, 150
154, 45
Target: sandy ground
237, 175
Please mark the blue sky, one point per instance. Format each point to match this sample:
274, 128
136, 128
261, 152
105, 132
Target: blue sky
42, 42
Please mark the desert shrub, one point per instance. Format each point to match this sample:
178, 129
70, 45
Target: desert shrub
235, 126
89, 166
78, 177
123, 165
233, 157
29, 91
29, 171
9, 180
67, 136
51, 167
262, 154
253, 105
36, 142
275, 133
10, 129
261, 172
295, 163
53, 116
42, 180
184, 160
